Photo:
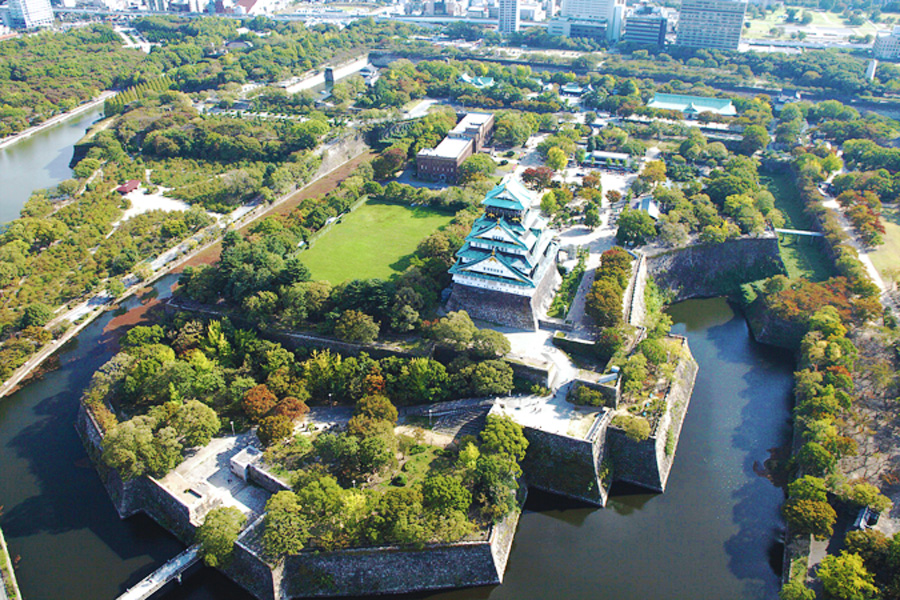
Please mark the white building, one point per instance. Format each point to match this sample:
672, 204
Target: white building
508, 21
590, 19
711, 23
888, 46
28, 14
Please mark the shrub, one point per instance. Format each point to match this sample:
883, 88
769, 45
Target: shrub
636, 428
586, 396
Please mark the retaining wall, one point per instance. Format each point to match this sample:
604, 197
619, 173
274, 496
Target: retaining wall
647, 463
375, 571
566, 465
709, 270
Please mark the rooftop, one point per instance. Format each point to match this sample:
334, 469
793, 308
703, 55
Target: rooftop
692, 104
471, 120
448, 148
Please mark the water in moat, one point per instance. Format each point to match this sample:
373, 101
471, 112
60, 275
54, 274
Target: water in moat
39, 161
712, 535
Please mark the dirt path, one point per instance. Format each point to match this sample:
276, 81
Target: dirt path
319, 187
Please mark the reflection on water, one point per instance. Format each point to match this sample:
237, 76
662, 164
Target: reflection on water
38, 162
712, 535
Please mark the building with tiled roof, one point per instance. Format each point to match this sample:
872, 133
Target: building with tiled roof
691, 106
505, 271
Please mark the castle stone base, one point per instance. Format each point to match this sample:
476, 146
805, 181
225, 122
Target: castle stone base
503, 308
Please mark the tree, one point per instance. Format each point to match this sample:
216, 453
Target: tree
290, 407
604, 303
36, 314
444, 494
654, 172
808, 488
592, 217
487, 343
456, 330
389, 162
504, 437
794, 590
755, 138
286, 528
511, 129
273, 429
844, 577
258, 401
356, 326
557, 159
488, 378
196, 423
865, 494
218, 534
635, 227
810, 517
378, 408
478, 166
537, 178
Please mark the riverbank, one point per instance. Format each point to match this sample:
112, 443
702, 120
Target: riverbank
9, 587
83, 108
353, 154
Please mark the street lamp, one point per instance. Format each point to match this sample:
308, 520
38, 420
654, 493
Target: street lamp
232, 427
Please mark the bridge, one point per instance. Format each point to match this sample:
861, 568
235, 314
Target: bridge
171, 571
800, 232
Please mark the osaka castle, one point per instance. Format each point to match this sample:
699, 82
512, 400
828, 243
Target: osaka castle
506, 271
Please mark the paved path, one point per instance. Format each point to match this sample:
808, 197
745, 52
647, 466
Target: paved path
9, 141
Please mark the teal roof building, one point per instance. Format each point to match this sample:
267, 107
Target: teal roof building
692, 106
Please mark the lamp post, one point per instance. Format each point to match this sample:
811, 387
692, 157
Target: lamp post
232, 427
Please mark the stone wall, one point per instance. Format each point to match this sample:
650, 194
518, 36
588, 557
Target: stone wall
503, 308
257, 474
566, 465
637, 306
647, 463
709, 270
390, 570
541, 374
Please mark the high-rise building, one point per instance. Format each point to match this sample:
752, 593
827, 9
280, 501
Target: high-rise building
28, 14
887, 46
646, 25
589, 18
711, 23
508, 20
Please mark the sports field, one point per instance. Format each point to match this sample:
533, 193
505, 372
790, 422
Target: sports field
375, 240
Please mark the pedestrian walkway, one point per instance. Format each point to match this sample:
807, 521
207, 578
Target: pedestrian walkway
171, 571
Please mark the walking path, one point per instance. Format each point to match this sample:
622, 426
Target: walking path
9, 141
168, 572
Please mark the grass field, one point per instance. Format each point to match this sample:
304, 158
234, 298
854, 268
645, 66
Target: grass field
802, 257
887, 257
375, 240
759, 28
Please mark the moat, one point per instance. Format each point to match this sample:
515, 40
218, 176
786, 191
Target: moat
713, 534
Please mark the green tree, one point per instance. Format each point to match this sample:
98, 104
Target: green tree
604, 303
196, 423
456, 330
487, 343
36, 314
557, 159
636, 428
808, 488
218, 533
794, 590
356, 326
635, 227
844, 577
810, 517
478, 166
274, 428
444, 494
755, 138
504, 437
286, 529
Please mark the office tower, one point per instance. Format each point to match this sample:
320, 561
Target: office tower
711, 23
508, 16
28, 14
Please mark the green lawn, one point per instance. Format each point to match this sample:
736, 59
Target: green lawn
375, 240
887, 257
802, 257
759, 28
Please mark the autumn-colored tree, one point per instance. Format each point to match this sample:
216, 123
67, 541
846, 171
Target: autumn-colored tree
290, 407
258, 401
274, 429
537, 178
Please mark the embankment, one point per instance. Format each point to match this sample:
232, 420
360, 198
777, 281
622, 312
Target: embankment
710, 270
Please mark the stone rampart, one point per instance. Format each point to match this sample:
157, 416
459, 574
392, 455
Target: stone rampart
256, 473
647, 463
537, 373
568, 466
504, 308
709, 270
391, 570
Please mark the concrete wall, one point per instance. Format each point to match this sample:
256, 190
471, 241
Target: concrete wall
258, 475
374, 571
708, 270
646, 463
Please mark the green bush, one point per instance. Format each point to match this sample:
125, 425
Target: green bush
585, 396
636, 428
